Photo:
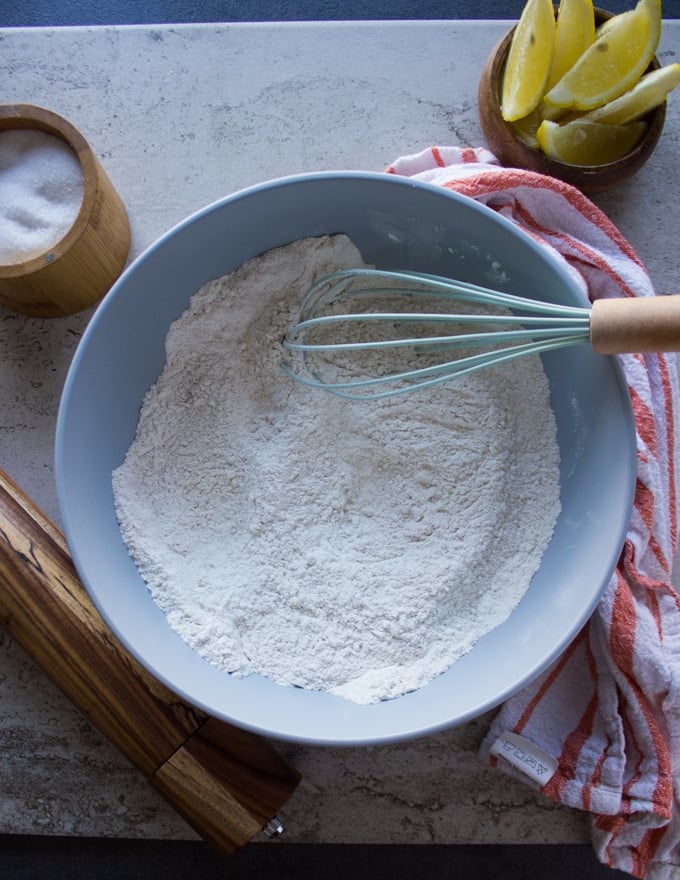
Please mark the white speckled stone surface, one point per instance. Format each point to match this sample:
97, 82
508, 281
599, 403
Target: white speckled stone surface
180, 116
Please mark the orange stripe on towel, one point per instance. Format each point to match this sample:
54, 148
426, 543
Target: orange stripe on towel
574, 743
554, 673
644, 421
489, 182
622, 644
437, 156
670, 446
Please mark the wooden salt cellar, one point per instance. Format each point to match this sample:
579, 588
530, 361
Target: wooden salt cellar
79, 269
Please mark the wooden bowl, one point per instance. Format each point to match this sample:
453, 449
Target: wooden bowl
80, 268
511, 151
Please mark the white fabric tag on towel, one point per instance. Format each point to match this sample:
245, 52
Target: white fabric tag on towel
530, 760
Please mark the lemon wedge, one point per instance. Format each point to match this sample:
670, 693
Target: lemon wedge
583, 142
574, 33
614, 62
645, 95
526, 127
529, 60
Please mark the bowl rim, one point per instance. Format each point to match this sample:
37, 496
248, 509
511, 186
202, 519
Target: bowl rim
296, 730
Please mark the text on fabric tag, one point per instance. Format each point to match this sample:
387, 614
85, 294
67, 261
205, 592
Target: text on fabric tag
522, 755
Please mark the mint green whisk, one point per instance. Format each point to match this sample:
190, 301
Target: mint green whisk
540, 327
325, 349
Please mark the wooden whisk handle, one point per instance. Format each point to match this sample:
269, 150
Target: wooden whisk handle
227, 783
635, 324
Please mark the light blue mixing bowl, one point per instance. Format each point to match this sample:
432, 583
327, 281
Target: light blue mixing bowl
397, 224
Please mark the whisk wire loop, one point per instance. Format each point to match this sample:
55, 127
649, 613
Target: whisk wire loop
531, 327
342, 282
425, 376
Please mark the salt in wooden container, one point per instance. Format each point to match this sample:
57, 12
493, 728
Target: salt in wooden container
76, 271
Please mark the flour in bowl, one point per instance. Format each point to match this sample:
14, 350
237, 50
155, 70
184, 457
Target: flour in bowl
352, 547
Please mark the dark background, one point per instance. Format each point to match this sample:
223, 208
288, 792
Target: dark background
39, 13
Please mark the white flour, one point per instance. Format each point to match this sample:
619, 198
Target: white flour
357, 548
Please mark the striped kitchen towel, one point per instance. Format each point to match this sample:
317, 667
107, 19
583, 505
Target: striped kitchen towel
600, 730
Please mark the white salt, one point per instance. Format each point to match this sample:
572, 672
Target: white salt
41, 191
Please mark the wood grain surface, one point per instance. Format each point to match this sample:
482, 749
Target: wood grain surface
227, 783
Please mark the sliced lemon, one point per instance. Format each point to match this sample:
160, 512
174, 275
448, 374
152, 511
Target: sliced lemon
574, 33
648, 93
526, 127
529, 59
601, 29
583, 142
614, 62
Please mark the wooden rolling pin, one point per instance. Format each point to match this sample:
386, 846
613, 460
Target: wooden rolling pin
227, 783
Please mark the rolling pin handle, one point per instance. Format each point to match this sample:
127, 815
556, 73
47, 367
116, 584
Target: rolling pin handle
226, 782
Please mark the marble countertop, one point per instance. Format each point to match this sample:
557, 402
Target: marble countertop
180, 116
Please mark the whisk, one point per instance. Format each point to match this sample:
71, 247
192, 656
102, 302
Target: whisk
503, 325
